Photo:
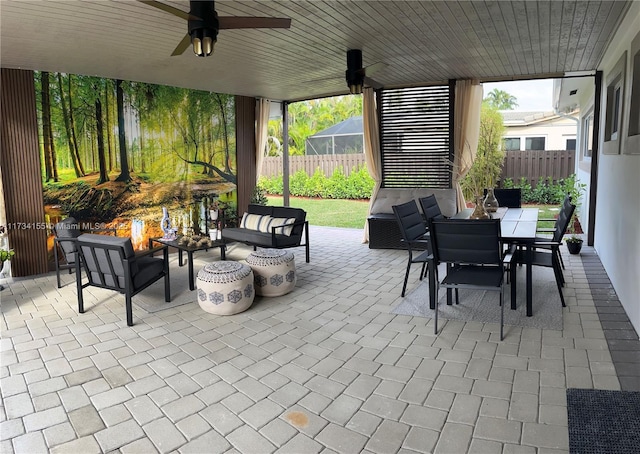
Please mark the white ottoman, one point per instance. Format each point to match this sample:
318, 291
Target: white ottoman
225, 287
274, 271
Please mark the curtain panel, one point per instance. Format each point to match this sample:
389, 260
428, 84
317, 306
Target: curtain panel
468, 101
263, 108
372, 151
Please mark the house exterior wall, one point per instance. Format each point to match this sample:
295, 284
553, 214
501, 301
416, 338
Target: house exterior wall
556, 132
617, 231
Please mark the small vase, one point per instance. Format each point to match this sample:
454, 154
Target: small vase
490, 202
479, 212
165, 223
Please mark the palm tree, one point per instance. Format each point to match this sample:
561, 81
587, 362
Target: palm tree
501, 100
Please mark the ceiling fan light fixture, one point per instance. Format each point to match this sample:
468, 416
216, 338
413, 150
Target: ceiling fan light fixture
203, 41
355, 89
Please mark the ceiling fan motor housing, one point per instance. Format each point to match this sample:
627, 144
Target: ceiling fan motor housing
204, 29
354, 73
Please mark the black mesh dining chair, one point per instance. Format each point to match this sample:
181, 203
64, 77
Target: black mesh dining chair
414, 237
472, 252
430, 207
508, 197
546, 251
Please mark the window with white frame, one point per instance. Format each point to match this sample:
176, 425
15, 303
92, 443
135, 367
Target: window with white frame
586, 142
512, 143
614, 106
534, 143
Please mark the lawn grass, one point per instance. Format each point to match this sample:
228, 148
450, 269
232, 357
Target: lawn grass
330, 212
353, 213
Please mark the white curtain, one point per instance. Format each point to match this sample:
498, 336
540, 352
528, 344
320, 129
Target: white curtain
263, 107
371, 146
467, 131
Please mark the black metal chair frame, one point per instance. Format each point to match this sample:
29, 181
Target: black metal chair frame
58, 246
550, 255
127, 289
414, 237
508, 197
472, 251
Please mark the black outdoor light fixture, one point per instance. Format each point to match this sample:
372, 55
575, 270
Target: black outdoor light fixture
203, 27
354, 73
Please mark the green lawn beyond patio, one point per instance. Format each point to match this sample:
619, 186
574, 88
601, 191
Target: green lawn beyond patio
353, 213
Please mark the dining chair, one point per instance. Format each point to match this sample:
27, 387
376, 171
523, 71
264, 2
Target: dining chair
546, 251
472, 252
111, 263
430, 207
508, 197
566, 206
414, 237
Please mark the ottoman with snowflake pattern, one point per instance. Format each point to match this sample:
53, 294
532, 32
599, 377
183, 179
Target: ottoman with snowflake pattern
225, 287
274, 271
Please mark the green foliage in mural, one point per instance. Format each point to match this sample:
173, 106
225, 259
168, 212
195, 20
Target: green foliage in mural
112, 149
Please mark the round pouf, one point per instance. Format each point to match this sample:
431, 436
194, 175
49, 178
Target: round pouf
225, 287
274, 271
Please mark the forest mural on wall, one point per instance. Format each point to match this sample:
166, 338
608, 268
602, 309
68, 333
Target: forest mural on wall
114, 153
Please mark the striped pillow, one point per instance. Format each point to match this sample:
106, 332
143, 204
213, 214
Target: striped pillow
277, 222
255, 221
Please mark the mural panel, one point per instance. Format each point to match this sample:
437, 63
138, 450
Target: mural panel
115, 153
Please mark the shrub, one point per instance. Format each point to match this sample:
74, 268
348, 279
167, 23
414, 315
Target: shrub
546, 191
358, 185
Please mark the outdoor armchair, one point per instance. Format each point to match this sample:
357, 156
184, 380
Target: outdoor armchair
65, 234
110, 263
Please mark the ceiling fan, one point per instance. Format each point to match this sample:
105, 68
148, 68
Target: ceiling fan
204, 24
358, 76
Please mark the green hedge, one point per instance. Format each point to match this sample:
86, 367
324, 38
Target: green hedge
546, 191
358, 185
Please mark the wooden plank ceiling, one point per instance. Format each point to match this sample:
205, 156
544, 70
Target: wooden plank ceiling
420, 41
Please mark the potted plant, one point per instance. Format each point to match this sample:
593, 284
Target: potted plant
574, 244
5, 255
575, 189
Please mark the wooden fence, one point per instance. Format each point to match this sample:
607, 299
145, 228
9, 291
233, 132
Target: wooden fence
530, 165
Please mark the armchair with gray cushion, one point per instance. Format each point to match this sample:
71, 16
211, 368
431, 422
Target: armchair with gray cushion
111, 263
65, 234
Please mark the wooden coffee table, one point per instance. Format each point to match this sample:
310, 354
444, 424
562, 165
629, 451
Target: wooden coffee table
190, 250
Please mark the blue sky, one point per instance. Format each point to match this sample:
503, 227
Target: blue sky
532, 95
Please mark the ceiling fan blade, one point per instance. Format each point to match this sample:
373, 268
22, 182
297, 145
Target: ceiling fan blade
182, 46
372, 69
170, 9
231, 22
372, 83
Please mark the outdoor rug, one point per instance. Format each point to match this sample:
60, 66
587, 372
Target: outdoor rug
482, 306
603, 422
152, 300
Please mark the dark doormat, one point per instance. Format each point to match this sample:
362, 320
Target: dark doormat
603, 422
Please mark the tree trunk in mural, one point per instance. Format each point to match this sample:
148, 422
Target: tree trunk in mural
227, 158
73, 153
122, 139
73, 130
108, 126
51, 167
100, 133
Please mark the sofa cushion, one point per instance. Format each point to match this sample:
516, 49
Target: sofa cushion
278, 222
257, 238
388, 197
258, 222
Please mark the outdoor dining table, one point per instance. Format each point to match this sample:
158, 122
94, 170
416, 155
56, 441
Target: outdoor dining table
517, 225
